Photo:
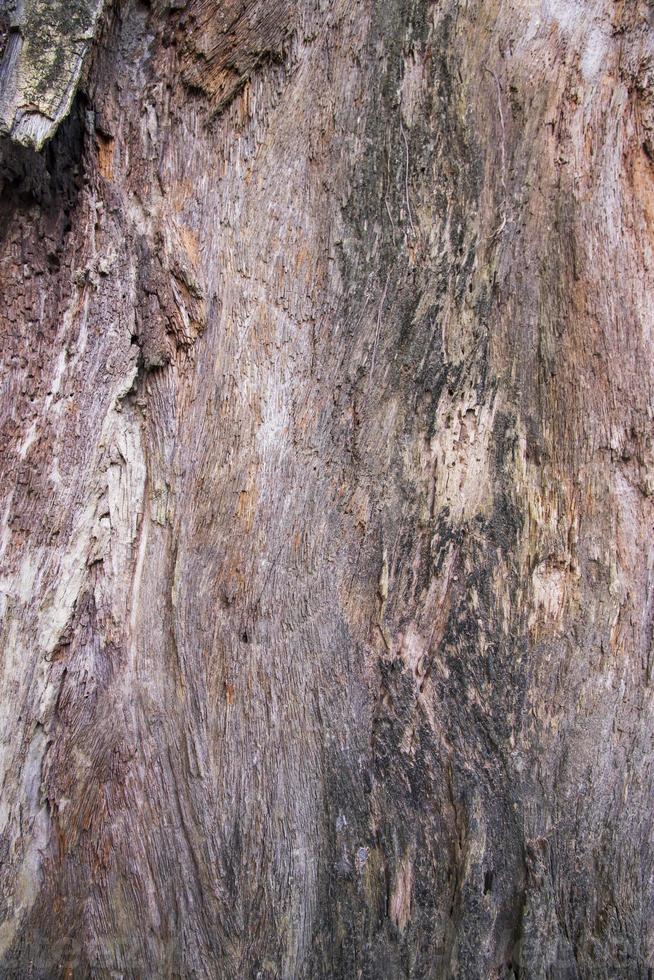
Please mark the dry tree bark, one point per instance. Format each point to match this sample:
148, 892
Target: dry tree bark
327, 471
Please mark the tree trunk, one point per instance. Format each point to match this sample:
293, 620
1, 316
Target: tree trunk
327, 471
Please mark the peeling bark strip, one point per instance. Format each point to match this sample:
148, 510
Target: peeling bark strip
326, 423
41, 58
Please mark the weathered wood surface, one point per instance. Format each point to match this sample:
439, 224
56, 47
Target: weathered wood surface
326, 519
44, 45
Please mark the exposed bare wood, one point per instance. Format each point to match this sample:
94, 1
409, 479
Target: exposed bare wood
326, 522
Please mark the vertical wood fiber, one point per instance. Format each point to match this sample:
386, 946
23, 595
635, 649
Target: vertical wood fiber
326, 501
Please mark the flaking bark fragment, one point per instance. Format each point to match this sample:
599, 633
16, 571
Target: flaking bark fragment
44, 45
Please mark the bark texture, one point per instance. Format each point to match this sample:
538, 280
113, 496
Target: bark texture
327, 471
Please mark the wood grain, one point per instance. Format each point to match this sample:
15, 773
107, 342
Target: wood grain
327, 472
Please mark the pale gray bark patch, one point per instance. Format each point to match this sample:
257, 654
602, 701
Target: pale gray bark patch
44, 47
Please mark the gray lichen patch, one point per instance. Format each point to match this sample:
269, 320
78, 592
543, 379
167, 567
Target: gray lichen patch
41, 64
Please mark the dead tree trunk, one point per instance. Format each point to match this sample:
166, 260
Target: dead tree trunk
326, 500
